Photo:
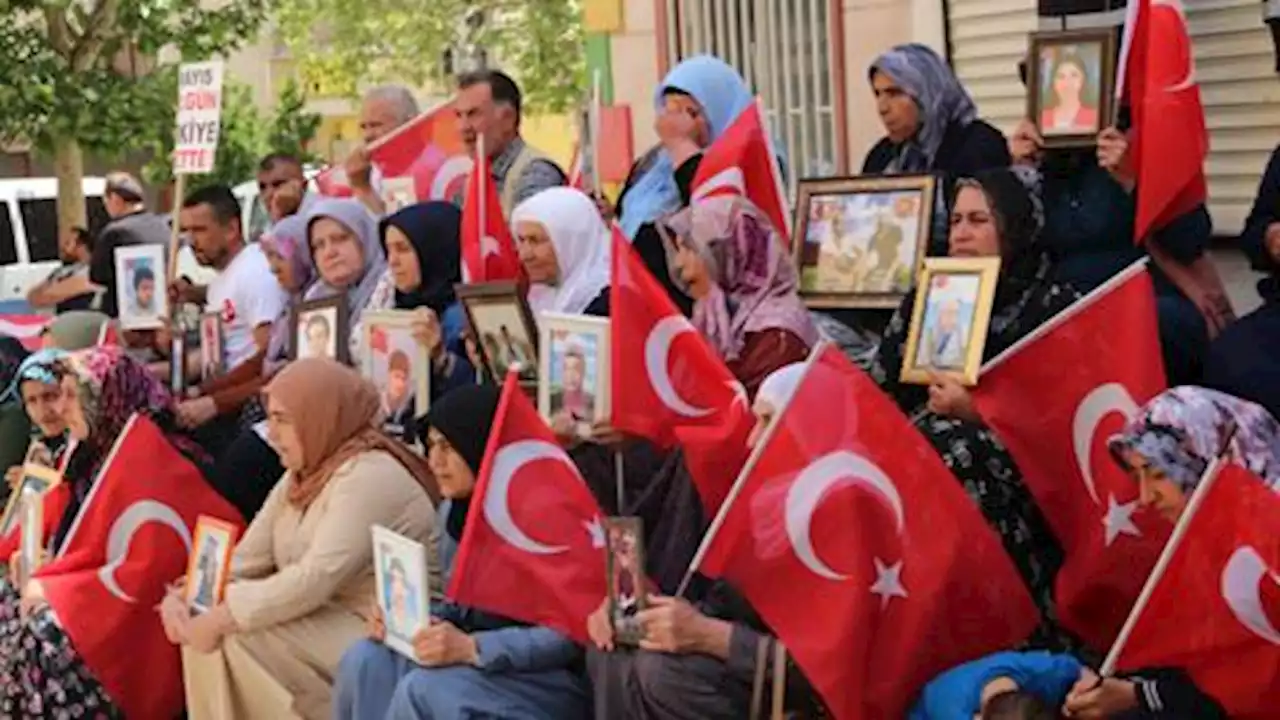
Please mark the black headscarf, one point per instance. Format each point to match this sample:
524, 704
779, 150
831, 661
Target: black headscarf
464, 416
12, 353
434, 229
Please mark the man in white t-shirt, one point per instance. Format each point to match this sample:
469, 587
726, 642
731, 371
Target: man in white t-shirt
246, 296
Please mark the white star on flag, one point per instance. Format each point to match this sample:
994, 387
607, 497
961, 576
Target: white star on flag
596, 531
888, 582
1119, 520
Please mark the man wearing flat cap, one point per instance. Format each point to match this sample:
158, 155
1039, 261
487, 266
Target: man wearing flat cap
130, 224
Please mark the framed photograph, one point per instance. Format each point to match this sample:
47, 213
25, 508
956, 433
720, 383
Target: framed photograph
864, 238
178, 364
140, 286
320, 330
624, 537
948, 329
37, 479
1071, 85
503, 327
399, 367
573, 369
210, 562
400, 569
211, 355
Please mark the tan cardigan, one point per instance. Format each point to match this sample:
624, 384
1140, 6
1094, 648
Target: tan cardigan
291, 563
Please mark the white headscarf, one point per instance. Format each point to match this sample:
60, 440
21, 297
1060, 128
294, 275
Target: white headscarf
583, 248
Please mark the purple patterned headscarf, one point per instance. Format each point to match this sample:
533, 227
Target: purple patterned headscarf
1181, 430
288, 239
754, 283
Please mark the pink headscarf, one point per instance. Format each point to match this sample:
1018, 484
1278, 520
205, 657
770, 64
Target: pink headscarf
754, 283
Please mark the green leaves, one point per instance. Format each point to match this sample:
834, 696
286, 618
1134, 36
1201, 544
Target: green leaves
343, 45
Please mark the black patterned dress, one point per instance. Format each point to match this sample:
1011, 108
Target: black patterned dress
976, 456
41, 675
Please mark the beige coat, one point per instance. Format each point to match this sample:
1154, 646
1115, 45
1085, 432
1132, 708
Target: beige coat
301, 586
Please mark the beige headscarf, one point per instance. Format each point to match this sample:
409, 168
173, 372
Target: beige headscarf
335, 410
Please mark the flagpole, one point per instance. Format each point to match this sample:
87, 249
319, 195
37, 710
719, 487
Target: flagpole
482, 197
776, 170
593, 129
752, 459
618, 479
1207, 481
1061, 318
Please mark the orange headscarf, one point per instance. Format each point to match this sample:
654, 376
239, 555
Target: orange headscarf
334, 411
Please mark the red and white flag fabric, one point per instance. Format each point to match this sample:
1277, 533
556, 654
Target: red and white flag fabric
488, 250
1215, 612
1053, 401
424, 159
26, 329
666, 377
533, 548
133, 536
1169, 142
847, 506
743, 161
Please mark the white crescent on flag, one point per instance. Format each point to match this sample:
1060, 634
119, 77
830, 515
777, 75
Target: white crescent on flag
807, 492
454, 168
731, 179
1242, 590
121, 536
497, 505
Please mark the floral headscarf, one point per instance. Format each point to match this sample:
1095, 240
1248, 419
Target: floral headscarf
1183, 429
754, 283
942, 100
288, 239
112, 387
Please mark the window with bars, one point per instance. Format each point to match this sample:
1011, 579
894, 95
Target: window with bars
783, 48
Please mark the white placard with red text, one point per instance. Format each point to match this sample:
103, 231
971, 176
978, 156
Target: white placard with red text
198, 118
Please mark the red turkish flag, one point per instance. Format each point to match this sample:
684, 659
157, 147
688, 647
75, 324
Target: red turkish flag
533, 548
1169, 139
666, 377
1216, 610
55, 500
742, 161
1054, 402
488, 250
848, 507
424, 158
28, 329
132, 536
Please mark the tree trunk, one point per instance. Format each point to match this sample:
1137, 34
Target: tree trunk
68, 166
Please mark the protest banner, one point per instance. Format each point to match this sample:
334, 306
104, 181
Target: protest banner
199, 117
424, 159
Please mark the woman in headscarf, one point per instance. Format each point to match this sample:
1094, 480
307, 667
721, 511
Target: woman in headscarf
728, 257
302, 574
695, 103
41, 672
931, 124
423, 249
38, 386
343, 240
565, 249
469, 663
1166, 449
996, 213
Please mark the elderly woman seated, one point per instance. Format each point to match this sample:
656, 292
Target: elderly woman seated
303, 572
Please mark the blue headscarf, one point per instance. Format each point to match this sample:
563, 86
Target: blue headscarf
43, 366
942, 100
723, 95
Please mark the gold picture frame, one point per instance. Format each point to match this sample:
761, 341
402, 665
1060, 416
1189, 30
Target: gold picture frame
949, 322
844, 224
209, 564
586, 338
396, 328
1091, 55
36, 478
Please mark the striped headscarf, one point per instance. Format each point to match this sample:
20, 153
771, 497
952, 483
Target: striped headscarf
942, 100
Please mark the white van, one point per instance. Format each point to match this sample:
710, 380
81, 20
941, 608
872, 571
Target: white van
29, 236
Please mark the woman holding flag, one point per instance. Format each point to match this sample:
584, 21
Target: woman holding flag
996, 213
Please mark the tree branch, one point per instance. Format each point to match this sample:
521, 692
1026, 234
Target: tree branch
59, 31
93, 39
